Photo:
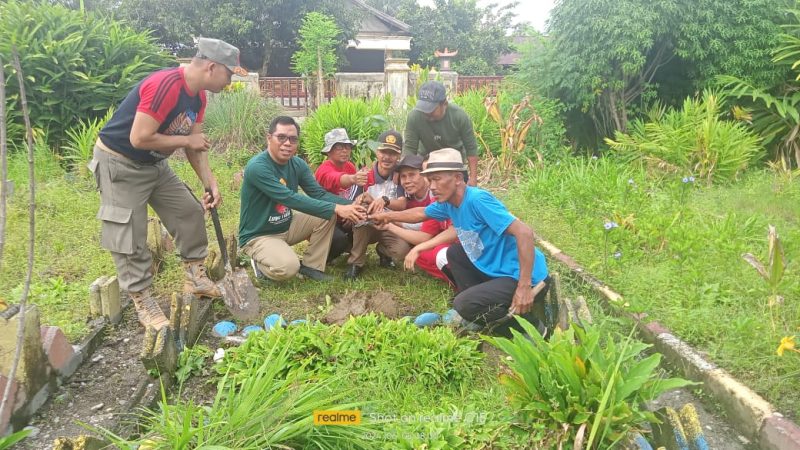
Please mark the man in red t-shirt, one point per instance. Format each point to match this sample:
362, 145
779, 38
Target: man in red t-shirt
339, 176
163, 113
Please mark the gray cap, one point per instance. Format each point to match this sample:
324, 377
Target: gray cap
336, 136
221, 53
430, 94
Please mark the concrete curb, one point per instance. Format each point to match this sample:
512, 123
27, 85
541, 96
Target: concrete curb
748, 411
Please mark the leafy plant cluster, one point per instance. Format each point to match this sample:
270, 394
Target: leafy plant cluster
673, 245
581, 385
75, 64
367, 348
774, 110
364, 121
270, 408
607, 62
692, 140
79, 147
239, 118
192, 361
545, 137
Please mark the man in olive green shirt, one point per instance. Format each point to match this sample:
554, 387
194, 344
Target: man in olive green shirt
436, 124
273, 216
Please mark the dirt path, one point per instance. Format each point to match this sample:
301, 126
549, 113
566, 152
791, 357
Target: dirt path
98, 391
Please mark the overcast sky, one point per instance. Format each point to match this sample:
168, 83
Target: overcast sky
533, 11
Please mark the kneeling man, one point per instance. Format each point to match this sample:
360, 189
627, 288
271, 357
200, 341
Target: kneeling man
273, 216
494, 262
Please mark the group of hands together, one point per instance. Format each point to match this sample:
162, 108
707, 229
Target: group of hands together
364, 208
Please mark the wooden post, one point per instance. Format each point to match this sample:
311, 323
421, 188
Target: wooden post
95, 302
109, 298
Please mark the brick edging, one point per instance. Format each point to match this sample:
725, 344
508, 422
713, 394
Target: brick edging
750, 412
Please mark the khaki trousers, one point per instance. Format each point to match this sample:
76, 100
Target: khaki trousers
389, 244
126, 188
274, 255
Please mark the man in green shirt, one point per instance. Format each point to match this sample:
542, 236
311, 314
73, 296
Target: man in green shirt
273, 216
436, 124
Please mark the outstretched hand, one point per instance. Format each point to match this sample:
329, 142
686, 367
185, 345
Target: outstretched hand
353, 213
379, 218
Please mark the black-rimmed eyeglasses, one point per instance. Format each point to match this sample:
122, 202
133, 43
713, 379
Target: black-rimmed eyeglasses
283, 138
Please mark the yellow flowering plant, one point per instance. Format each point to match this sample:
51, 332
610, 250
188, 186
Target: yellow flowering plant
787, 343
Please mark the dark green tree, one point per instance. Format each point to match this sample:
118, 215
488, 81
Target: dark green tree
608, 60
478, 33
316, 57
260, 28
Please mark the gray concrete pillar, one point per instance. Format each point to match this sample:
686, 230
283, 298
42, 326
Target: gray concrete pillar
396, 72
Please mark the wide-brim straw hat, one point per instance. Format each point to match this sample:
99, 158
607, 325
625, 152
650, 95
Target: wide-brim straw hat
445, 160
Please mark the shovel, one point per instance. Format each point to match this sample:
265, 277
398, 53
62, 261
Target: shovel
238, 292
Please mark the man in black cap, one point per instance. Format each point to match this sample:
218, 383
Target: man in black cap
384, 191
163, 113
434, 123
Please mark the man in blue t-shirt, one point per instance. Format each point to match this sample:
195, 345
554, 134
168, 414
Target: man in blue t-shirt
494, 262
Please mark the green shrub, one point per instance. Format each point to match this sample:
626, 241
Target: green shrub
693, 140
580, 379
239, 118
75, 64
546, 138
266, 410
364, 121
487, 131
367, 348
78, 149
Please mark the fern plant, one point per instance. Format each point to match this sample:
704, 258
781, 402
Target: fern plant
580, 383
364, 121
692, 140
77, 151
774, 112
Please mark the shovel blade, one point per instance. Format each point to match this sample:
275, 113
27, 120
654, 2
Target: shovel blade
239, 295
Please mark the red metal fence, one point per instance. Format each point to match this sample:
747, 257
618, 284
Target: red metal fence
291, 92
490, 83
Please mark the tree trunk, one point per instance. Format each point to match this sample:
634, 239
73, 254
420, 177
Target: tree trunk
320, 80
8, 402
617, 111
266, 54
3, 161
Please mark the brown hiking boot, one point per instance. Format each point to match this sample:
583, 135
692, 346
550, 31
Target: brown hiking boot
150, 314
197, 281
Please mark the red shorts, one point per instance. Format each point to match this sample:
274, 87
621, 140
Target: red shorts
427, 262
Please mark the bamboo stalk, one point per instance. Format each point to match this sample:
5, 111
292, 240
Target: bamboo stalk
3, 161
32, 203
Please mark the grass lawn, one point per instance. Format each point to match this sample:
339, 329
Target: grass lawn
676, 254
